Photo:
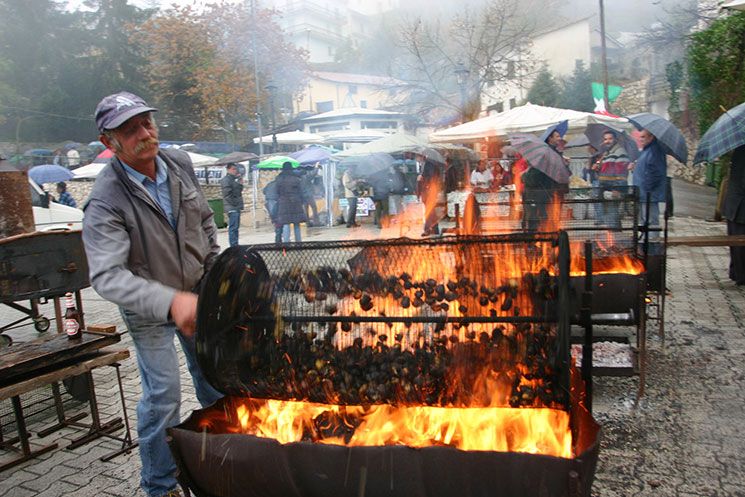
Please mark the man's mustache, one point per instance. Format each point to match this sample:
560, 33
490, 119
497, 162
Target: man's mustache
146, 144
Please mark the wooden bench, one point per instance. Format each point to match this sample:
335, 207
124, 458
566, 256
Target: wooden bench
707, 241
50, 360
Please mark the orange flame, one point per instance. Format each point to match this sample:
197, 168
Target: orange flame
534, 431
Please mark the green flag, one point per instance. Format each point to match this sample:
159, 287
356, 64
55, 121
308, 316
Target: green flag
613, 92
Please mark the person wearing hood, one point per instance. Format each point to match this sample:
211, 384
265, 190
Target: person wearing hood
290, 208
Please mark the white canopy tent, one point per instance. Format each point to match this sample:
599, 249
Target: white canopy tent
390, 144
734, 4
527, 118
291, 138
91, 170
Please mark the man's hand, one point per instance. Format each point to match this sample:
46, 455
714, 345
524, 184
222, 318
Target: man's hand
184, 312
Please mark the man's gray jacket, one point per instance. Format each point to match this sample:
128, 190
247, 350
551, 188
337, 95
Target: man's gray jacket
232, 193
136, 259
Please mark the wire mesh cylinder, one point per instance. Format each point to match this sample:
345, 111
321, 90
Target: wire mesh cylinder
463, 321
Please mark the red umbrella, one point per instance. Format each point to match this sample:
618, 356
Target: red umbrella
104, 156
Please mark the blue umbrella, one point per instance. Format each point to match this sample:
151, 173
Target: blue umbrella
669, 137
49, 173
561, 127
311, 155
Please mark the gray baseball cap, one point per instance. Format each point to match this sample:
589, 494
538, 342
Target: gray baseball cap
114, 110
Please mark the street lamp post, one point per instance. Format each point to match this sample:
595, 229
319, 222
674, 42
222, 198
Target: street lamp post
272, 89
461, 76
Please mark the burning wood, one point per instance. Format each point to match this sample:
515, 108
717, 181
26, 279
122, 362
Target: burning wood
534, 431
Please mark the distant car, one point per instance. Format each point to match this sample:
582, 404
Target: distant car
49, 216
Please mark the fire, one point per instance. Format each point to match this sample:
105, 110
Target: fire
534, 431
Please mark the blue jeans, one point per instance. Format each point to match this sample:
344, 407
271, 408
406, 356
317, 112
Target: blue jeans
654, 216
158, 408
234, 222
612, 203
286, 232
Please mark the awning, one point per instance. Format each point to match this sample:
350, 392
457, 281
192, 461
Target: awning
527, 118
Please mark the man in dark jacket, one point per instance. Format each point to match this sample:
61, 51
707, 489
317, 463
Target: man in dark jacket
734, 212
271, 199
650, 176
309, 197
149, 239
232, 198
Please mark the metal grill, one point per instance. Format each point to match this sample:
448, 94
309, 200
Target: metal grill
426, 322
608, 216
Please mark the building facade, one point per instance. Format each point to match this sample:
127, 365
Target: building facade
323, 26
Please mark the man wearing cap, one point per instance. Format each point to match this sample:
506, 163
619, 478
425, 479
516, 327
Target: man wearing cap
150, 237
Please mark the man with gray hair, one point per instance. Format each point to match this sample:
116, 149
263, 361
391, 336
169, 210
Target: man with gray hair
150, 237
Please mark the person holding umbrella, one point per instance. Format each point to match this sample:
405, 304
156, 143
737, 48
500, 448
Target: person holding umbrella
650, 176
658, 137
725, 135
734, 212
546, 178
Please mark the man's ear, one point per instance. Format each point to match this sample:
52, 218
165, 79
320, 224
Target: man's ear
105, 140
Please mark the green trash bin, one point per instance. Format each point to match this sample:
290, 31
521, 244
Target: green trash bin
218, 209
709, 175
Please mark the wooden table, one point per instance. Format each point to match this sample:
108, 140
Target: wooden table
50, 360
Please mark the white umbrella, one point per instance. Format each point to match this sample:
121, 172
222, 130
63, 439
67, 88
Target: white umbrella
201, 160
90, 171
734, 4
291, 138
527, 118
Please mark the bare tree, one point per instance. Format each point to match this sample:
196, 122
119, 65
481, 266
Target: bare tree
451, 64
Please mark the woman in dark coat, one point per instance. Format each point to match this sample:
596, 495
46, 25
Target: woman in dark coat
290, 203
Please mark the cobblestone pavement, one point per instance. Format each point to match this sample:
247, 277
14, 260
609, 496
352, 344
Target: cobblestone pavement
682, 438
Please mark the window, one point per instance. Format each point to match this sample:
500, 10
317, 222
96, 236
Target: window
363, 104
496, 107
353, 89
325, 106
378, 124
511, 69
320, 128
513, 103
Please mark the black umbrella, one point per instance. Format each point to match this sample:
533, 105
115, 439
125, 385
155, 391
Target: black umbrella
366, 166
669, 137
234, 157
595, 131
